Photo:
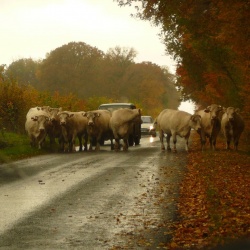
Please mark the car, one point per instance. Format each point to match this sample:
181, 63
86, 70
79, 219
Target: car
147, 126
135, 137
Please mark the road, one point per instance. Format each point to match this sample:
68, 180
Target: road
91, 200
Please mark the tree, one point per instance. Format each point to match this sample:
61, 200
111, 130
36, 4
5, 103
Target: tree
121, 55
210, 41
117, 62
77, 70
75, 65
151, 86
24, 71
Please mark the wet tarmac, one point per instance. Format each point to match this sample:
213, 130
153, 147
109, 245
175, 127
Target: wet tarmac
91, 200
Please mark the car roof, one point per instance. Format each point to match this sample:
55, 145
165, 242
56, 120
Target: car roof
117, 105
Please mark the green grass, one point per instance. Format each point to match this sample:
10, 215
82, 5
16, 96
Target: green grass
17, 146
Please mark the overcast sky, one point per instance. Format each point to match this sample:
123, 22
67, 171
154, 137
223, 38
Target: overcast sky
32, 28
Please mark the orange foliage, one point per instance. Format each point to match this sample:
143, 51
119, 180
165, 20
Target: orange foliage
215, 32
16, 100
212, 87
214, 203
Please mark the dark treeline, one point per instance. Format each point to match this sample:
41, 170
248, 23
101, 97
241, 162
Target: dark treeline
78, 76
86, 71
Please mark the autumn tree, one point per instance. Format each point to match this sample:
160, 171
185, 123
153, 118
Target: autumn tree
113, 75
123, 56
17, 98
151, 86
75, 65
117, 62
210, 41
77, 70
24, 71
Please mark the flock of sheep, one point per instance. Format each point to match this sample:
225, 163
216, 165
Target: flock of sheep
97, 125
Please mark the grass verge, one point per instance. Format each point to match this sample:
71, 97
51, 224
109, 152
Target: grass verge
17, 146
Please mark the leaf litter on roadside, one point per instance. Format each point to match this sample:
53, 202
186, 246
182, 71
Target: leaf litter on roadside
214, 204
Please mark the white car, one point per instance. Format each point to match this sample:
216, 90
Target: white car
147, 126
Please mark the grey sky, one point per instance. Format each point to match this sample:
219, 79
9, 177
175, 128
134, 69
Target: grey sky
32, 28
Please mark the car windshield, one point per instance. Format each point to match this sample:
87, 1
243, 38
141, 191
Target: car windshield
147, 119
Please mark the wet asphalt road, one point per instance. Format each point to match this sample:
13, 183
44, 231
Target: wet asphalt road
91, 200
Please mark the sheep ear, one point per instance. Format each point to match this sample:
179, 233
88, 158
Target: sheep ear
207, 109
192, 118
237, 110
71, 115
34, 118
60, 109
